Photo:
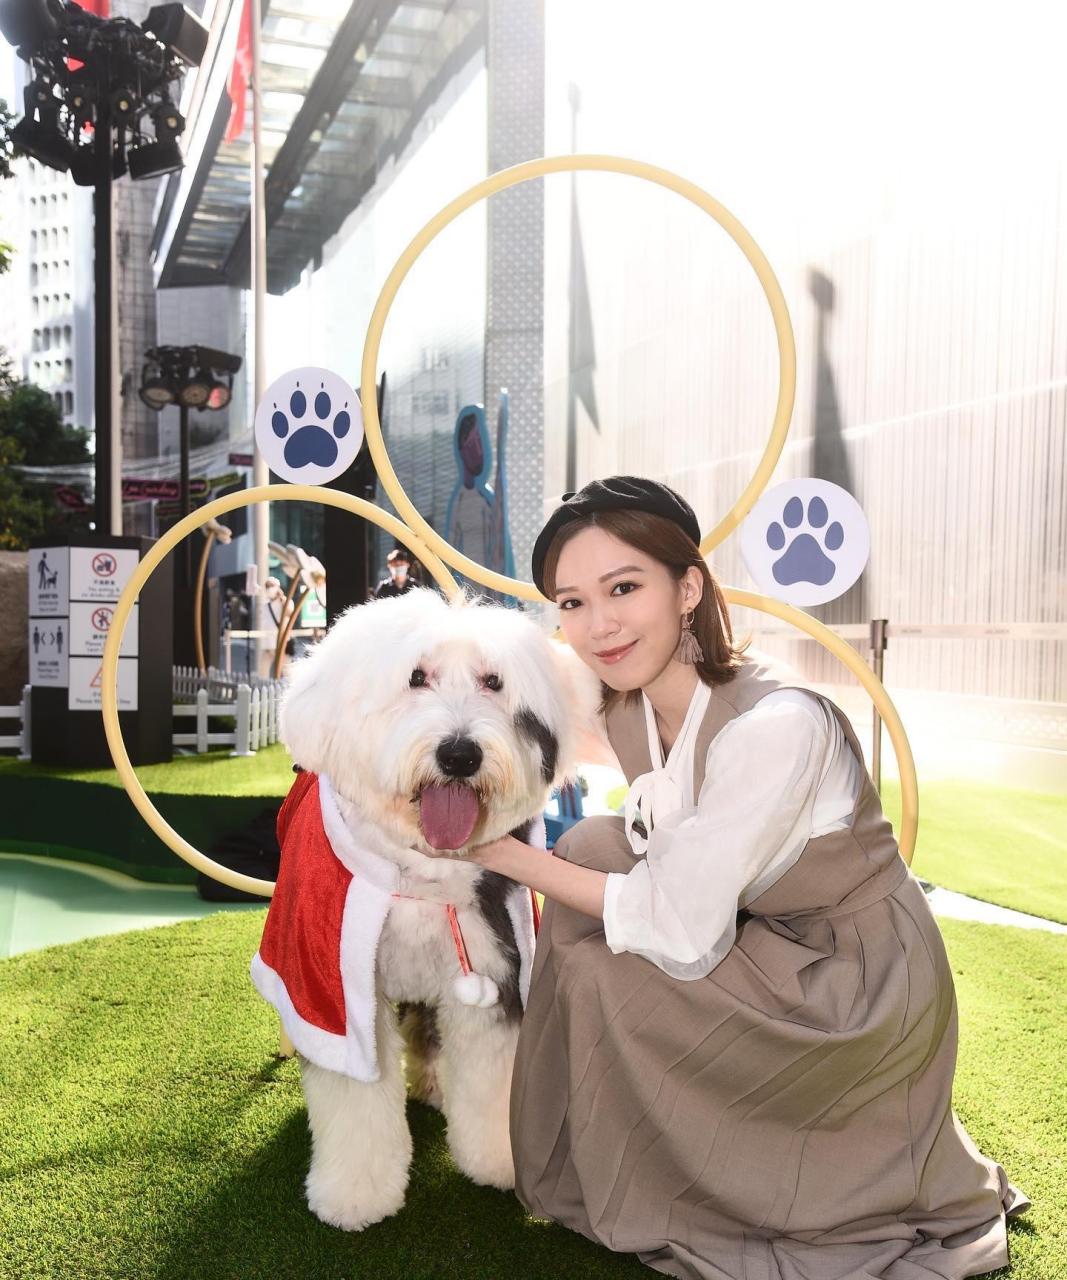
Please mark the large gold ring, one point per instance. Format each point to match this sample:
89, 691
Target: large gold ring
787, 356
109, 689
909, 783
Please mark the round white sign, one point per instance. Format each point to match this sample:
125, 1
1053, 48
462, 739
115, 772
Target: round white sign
805, 541
309, 427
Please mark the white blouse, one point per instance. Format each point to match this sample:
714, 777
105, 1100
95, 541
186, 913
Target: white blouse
775, 777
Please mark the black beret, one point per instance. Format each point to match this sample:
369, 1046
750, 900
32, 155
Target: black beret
613, 494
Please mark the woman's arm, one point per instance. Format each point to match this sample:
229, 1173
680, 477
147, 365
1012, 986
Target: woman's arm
678, 907
581, 888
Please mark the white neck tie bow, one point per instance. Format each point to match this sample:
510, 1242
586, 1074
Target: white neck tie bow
654, 795
650, 798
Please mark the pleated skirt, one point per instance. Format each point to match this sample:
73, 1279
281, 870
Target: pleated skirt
787, 1117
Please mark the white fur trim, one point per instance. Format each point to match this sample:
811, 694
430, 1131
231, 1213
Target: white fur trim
367, 903
366, 907
324, 1048
475, 989
356, 850
520, 909
355, 1053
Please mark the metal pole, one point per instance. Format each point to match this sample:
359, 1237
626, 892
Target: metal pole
571, 471
258, 257
878, 648
103, 248
183, 446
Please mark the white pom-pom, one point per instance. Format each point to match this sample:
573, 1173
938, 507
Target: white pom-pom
475, 989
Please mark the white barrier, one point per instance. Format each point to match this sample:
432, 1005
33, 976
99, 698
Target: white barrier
21, 712
252, 703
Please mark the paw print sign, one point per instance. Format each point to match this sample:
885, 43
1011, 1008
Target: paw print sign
309, 427
806, 541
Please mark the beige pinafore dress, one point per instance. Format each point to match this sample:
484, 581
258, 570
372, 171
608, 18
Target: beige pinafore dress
788, 1116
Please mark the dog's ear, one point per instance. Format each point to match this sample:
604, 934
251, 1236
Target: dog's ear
331, 682
308, 713
582, 694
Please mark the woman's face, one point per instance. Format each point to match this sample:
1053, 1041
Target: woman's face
610, 597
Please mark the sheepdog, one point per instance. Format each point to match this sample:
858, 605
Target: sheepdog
418, 723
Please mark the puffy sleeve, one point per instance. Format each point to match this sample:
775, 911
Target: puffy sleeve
678, 907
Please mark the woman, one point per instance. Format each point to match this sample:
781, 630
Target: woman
737, 1056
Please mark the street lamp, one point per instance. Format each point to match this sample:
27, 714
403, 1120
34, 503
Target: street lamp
100, 87
192, 378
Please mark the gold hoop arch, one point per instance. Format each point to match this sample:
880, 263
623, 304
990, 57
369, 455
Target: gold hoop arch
109, 691
198, 602
909, 785
501, 181
286, 629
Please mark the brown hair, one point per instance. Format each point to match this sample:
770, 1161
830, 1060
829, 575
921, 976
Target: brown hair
668, 543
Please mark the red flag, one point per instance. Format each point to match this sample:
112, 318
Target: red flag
240, 73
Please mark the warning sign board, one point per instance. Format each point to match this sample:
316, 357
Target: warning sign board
90, 624
49, 647
98, 573
86, 680
48, 582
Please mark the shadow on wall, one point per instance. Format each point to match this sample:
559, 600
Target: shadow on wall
830, 460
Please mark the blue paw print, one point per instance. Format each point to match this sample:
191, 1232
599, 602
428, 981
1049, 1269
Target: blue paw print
311, 443
804, 560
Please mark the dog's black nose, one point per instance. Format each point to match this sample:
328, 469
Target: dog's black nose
459, 757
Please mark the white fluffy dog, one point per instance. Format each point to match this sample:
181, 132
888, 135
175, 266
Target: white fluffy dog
421, 724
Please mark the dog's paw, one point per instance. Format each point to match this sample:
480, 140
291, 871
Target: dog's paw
481, 1148
488, 1168
352, 1211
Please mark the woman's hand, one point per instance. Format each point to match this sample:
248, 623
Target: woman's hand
483, 854
579, 887
486, 855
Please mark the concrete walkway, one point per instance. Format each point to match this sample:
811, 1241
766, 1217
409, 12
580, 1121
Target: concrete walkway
957, 906
45, 902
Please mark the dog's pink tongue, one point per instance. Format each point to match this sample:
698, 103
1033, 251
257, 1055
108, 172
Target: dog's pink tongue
447, 815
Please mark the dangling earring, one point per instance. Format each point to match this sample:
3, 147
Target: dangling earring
689, 650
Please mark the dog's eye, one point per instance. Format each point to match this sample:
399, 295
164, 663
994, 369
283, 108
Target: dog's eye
493, 682
418, 678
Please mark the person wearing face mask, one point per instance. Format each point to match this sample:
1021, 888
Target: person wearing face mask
398, 562
738, 1051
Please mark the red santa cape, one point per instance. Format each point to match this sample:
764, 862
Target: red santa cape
315, 962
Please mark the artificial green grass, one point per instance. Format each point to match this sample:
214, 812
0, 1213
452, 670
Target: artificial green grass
150, 1132
216, 773
999, 844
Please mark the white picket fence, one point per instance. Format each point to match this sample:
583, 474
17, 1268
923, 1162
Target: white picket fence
251, 701
20, 741
221, 685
